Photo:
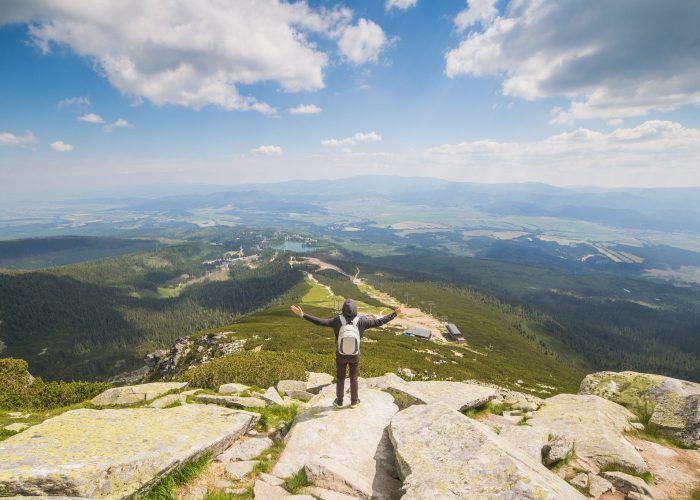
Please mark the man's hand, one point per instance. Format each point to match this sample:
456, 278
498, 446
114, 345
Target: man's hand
297, 310
398, 309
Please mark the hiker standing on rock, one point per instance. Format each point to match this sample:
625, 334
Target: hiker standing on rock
348, 328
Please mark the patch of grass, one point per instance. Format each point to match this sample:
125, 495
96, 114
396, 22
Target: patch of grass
494, 408
652, 433
267, 459
274, 416
165, 488
401, 399
696, 494
295, 483
174, 404
222, 495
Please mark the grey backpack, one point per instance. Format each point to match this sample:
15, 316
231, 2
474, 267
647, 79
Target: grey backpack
349, 337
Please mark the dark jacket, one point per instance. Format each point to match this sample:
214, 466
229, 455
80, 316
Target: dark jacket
350, 311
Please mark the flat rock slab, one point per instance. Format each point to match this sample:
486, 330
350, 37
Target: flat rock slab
239, 470
355, 438
245, 450
132, 394
113, 453
595, 425
443, 454
284, 386
232, 388
458, 395
231, 401
317, 381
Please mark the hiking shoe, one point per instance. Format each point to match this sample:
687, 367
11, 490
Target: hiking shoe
338, 404
355, 404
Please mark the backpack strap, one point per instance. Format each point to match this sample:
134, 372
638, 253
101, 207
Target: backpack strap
356, 320
342, 320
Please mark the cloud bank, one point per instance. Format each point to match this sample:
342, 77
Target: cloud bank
611, 59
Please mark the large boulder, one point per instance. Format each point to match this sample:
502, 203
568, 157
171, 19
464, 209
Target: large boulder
443, 454
345, 450
113, 453
132, 394
671, 404
595, 425
458, 395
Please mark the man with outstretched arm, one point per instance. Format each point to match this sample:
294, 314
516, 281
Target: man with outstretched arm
348, 328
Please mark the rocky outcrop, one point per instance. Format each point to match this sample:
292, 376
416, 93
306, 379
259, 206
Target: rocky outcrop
317, 381
628, 484
595, 425
233, 388
113, 453
231, 401
133, 394
443, 454
169, 400
672, 405
458, 395
344, 450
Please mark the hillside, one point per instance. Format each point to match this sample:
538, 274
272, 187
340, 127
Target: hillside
97, 319
610, 322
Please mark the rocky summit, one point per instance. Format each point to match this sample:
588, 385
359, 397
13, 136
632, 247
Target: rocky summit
113, 453
672, 405
443, 454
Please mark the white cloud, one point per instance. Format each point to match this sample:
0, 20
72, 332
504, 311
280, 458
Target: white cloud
267, 150
400, 4
78, 101
118, 123
17, 140
363, 42
193, 53
305, 109
352, 140
91, 118
477, 11
580, 50
61, 146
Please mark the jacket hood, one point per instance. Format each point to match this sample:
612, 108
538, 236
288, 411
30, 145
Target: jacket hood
350, 308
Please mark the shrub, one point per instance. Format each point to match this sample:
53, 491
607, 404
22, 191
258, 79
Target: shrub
19, 393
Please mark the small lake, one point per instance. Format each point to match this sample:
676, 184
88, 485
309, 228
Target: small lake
295, 246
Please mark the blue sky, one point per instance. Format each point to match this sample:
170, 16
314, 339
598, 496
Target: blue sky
121, 93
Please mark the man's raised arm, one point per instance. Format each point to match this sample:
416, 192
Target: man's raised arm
316, 321
373, 323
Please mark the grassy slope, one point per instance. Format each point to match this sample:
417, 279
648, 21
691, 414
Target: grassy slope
510, 357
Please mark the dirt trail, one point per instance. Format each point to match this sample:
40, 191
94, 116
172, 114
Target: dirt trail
411, 317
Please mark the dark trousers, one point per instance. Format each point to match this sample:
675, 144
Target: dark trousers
340, 375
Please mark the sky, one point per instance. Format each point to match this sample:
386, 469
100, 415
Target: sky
124, 93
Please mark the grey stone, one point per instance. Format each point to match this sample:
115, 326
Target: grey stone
628, 483
559, 448
18, 427
325, 494
232, 388
300, 395
529, 440
132, 394
580, 480
231, 401
443, 454
317, 381
270, 479
272, 397
597, 486
113, 453
264, 491
345, 449
245, 450
284, 386
239, 470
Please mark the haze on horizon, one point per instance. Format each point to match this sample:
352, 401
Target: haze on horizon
123, 94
